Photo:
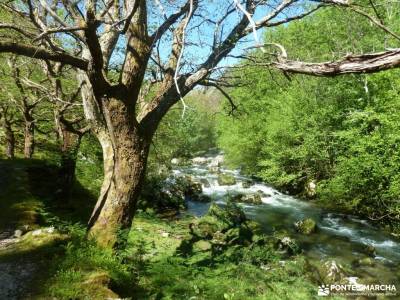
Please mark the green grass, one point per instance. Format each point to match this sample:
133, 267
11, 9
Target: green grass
165, 275
71, 267
18, 207
150, 269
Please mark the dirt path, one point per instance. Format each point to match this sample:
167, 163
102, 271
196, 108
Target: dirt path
15, 273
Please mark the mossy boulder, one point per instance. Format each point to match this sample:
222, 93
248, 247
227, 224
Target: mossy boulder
226, 179
369, 250
161, 194
222, 227
252, 199
205, 182
254, 226
247, 183
193, 188
225, 235
207, 226
364, 262
200, 160
231, 214
239, 235
202, 245
306, 226
98, 285
330, 272
288, 245
214, 169
264, 194
311, 189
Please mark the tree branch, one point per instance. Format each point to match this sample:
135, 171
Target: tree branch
363, 63
42, 53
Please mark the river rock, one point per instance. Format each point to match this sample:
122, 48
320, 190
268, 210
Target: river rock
205, 182
370, 250
288, 245
176, 161
306, 226
247, 198
222, 231
214, 163
364, 262
199, 160
18, 233
331, 272
194, 188
223, 225
263, 194
213, 169
202, 245
218, 219
217, 161
231, 214
246, 184
311, 189
226, 179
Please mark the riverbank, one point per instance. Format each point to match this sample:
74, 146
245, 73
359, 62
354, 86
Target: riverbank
349, 240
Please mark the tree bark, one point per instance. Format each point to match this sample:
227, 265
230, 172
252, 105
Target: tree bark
29, 139
69, 151
125, 153
10, 140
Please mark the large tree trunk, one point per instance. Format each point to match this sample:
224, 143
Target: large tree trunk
124, 168
10, 141
125, 146
29, 137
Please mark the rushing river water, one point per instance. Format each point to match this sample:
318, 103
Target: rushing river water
339, 237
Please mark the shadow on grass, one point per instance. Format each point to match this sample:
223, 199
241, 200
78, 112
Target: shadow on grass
63, 258
29, 188
43, 184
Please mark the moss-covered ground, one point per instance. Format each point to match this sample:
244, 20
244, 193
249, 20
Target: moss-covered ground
68, 266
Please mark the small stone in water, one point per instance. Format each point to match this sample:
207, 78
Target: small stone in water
18, 233
37, 232
370, 250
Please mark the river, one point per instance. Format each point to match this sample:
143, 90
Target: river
339, 237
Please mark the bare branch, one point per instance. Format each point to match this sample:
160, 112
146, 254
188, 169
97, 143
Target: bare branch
170, 21
364, 63
178, 62
226, 95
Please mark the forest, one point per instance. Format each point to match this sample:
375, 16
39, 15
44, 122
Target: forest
198, 149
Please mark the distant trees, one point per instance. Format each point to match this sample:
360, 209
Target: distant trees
342, 133
44, 93
25, 97
8, 120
